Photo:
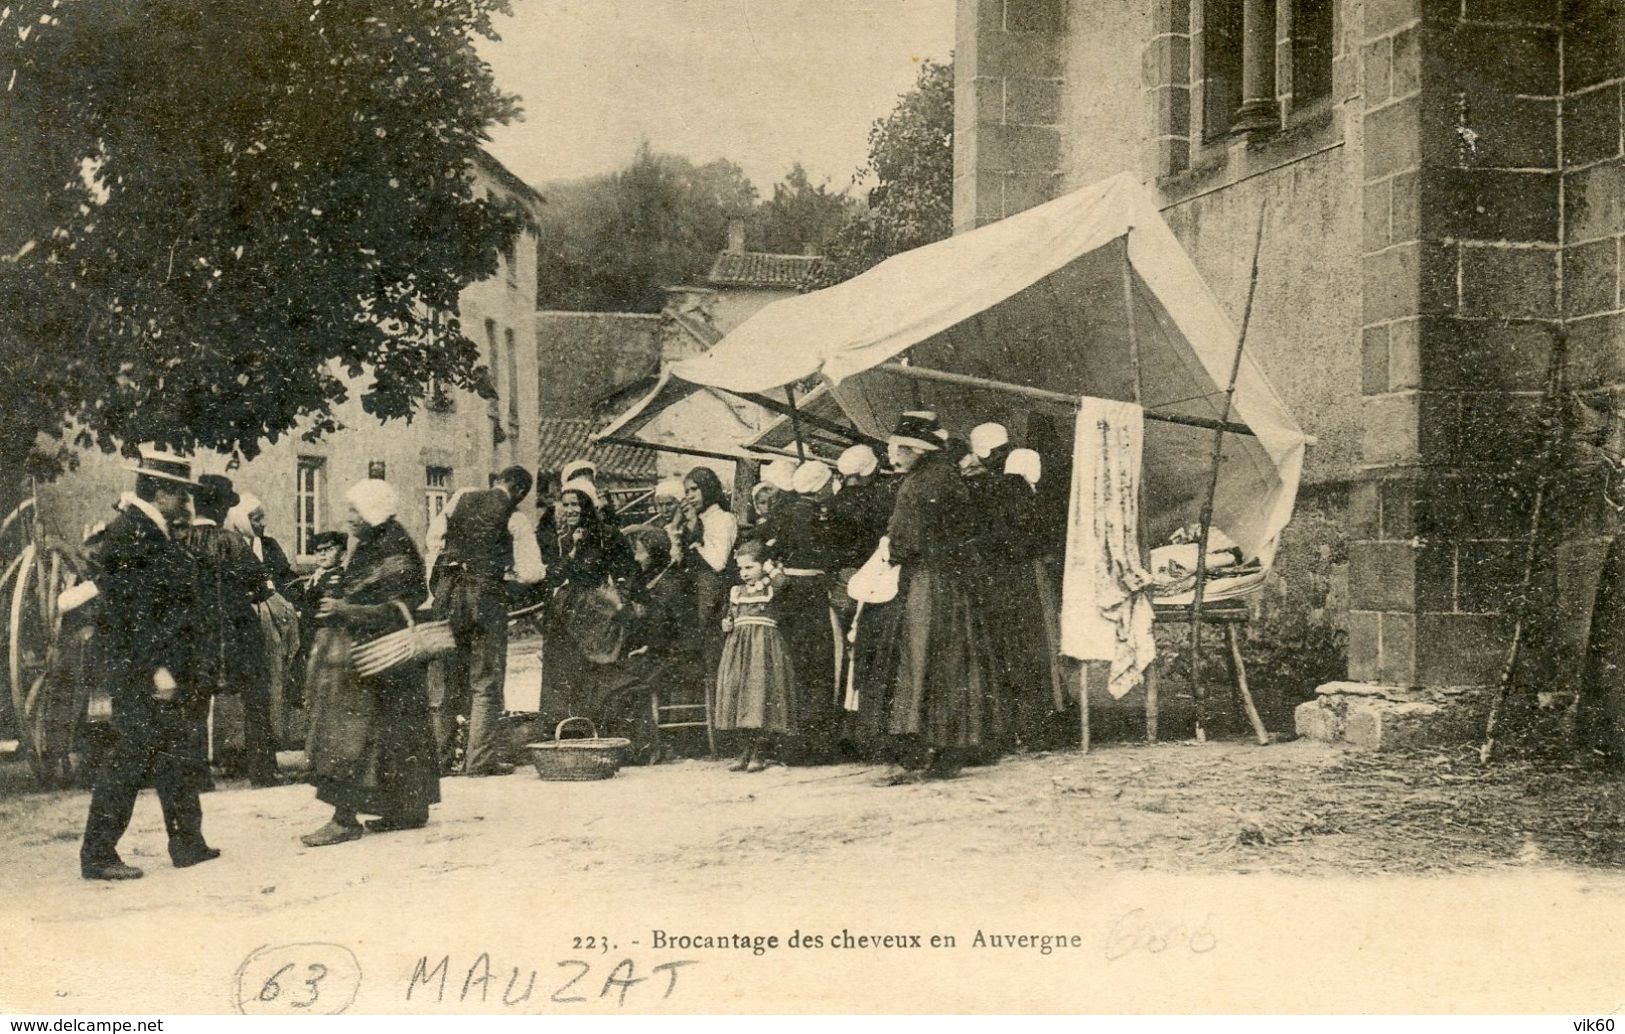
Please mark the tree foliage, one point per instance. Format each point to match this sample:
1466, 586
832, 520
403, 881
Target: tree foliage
911, 158
612, 243
798, 214
210, 208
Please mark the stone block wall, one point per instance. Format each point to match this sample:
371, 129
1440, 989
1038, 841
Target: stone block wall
1463, 304
1008, 85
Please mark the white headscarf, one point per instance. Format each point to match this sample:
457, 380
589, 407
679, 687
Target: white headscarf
237, 520
585, 487
811, 477
781, 474
374, 500
669, 488
1026, 463
858, 461
984, 438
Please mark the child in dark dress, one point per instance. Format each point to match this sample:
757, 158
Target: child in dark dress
755, 683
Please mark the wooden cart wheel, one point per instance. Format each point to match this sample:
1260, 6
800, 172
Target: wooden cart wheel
49, 709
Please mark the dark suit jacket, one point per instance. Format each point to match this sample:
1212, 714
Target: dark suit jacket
148, 606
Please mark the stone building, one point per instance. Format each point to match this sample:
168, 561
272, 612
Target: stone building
1443, 199
744, 281
454, 443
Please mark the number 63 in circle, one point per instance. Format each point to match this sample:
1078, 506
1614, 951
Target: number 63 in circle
313, 978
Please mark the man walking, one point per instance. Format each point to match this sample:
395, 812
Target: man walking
469, 591
148, 605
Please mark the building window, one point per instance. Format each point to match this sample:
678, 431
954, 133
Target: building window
1221, 65
513, 380
437, 489
308, 489
1311, 51
493, 361
510, 262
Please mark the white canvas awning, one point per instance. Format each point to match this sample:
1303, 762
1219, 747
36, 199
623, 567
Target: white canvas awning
1045, 299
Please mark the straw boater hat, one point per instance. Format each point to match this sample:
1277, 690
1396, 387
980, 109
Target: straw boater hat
917, 430
164, 465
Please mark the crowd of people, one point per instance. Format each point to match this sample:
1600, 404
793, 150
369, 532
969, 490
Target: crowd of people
905, 615
775, 619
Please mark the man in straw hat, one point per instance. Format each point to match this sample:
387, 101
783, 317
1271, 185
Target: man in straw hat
148, 603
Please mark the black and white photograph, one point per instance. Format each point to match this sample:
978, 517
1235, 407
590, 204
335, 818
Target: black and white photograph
571, 508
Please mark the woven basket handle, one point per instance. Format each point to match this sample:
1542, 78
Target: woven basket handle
558, 730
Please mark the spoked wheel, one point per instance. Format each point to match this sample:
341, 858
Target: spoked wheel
50, 688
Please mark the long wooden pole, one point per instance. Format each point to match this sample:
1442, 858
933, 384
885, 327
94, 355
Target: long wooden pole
795, 422
1151, 703
1554, 390
1198, 691
1058, 398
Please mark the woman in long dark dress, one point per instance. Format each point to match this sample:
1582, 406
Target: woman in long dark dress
660, 656
942, 706
371, 746
709, 533
585, 634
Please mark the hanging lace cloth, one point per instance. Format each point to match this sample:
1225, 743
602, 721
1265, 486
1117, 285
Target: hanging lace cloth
1106, 608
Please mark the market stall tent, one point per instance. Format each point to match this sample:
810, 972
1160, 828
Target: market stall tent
1087, 295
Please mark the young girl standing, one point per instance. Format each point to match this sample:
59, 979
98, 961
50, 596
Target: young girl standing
755, 683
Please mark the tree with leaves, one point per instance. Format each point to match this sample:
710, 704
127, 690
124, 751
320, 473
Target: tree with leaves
613, 243
799, 214
213, 210
911, 158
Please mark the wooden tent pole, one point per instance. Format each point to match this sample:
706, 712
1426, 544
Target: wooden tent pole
1198, 692
925, 373
1151, 702
795, 422
680, 450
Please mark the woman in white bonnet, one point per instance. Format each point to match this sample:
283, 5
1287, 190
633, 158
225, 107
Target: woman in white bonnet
371, 745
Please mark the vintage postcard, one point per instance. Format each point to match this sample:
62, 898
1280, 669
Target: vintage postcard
604, 507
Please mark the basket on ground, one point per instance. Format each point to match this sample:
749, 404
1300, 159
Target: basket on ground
588, 757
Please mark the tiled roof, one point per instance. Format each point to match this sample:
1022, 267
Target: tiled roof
562, 439
760, 269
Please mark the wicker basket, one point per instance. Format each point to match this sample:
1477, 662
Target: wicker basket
577, 760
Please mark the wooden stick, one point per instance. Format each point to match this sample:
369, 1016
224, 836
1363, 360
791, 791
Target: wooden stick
1151, 702
1059, 398
1554, 391
1239, 669
795, 422
1083, 706
1198, 693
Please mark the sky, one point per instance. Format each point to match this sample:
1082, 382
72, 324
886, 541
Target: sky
764, 83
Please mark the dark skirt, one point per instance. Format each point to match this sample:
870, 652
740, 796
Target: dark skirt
370, 742
756, 682
943, 694
871, 674
1023, 653
809, 633
710, 594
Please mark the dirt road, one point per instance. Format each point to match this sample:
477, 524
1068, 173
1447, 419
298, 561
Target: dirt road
1169, 878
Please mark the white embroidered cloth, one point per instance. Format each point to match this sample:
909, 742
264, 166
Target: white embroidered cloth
1106, 609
